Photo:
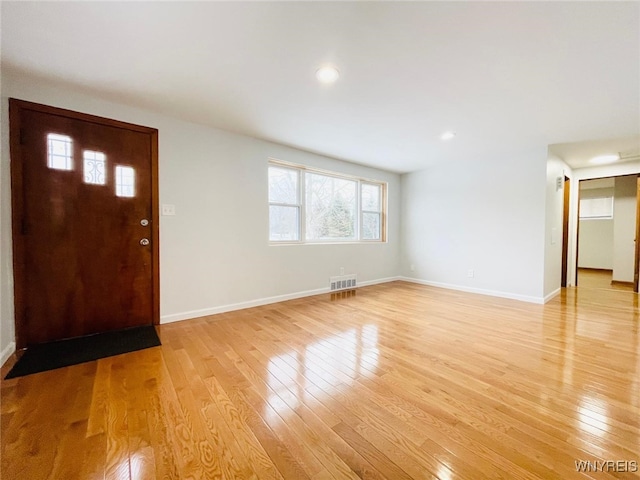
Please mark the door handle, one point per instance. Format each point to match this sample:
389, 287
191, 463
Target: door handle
144, 242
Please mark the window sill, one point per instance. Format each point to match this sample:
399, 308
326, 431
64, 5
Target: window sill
359, 242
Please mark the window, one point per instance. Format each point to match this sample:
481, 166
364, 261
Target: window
312, 206
284, 204
125, 181
371, 202
59, 152
596, 208
94, 167
330, 208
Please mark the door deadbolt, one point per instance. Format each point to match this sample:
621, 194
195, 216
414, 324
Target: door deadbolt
144, 222
144, 242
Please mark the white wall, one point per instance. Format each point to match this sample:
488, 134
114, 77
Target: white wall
554, 210
603, 171
7, 335
483, 213
624, 228
595, 245
595, 236
214, 253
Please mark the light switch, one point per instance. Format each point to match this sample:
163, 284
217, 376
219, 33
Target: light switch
168, 209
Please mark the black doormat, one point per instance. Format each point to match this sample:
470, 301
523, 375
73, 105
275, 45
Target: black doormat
63, 353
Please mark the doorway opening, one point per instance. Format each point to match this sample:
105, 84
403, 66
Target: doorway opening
607, 250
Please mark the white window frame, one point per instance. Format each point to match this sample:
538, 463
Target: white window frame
298, 204
302, 199
380, 212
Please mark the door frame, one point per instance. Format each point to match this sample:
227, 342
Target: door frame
636, 267
637, 239
16, 107
565, 231
575, 280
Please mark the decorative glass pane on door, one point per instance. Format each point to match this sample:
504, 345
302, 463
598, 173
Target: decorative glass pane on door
94, 167
125, 181
59, 152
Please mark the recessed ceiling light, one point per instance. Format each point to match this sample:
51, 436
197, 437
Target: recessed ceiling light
602, 159
327, 74
447, 135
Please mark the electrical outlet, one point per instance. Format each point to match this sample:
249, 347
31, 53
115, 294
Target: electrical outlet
412, 267
168, 209
470, 273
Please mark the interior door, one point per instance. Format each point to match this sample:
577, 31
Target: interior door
636, 268
85, 226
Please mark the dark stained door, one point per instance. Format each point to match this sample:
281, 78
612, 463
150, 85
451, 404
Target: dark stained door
85, 224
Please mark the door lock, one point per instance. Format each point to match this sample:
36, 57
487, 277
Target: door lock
144, 242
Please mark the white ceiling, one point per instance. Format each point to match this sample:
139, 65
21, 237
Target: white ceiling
504, 76
579, 154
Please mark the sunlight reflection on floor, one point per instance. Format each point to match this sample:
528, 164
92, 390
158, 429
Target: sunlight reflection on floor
324, 366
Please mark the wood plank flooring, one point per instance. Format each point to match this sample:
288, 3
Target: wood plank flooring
591, 278
394, 381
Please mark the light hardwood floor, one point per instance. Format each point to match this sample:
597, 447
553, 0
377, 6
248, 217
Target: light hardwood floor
395, 381
591, 278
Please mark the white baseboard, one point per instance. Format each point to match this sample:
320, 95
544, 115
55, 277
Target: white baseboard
7, 352
552, 295
480, 291
379, 280
176, 317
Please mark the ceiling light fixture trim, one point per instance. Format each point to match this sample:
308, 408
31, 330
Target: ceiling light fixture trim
604, 159
327, 74
448, 135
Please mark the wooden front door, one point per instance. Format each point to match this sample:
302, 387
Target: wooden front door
85, 223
